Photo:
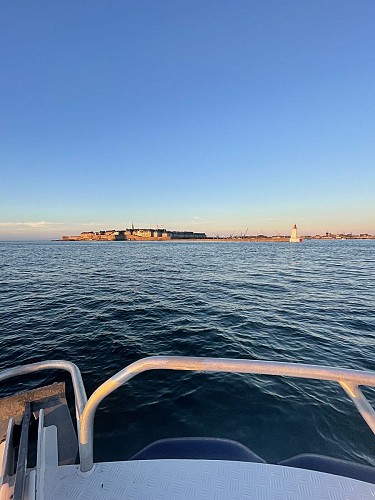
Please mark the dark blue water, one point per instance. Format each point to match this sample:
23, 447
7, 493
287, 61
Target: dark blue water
104, 305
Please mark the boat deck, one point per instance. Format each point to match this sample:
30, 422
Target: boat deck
203, 479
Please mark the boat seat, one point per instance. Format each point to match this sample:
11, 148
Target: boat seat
197, 449
330, 465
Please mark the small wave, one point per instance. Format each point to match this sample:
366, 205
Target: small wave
104, 306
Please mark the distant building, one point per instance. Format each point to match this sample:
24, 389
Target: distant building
111, 235
161, 234
185, 235
135, 234
294, 238
70, 238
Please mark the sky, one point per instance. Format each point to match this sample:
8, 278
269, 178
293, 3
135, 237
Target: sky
197, 115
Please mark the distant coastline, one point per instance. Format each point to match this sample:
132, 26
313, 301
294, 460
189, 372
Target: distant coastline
160, 234
135, 234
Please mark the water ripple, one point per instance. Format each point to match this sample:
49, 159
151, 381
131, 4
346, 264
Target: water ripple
105, 305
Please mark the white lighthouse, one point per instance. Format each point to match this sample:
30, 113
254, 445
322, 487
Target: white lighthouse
293, 237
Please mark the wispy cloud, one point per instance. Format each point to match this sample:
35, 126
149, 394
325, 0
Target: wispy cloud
30, 225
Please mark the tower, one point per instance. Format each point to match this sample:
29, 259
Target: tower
293, 237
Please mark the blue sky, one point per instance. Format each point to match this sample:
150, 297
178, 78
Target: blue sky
201, 115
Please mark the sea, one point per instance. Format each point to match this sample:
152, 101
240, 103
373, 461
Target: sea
104, 305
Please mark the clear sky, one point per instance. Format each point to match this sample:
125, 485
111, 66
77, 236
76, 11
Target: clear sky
204, 115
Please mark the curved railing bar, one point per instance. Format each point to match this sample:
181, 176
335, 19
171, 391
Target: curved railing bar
363, 406
79, 388
349, 379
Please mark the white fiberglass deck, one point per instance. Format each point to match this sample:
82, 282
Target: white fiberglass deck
203, 479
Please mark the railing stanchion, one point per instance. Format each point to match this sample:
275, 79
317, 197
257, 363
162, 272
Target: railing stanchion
362, 404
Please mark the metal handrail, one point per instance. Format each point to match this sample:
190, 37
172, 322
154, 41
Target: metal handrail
85, 410
348, 379
78, 387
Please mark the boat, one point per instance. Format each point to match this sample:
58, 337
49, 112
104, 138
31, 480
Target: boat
39, 444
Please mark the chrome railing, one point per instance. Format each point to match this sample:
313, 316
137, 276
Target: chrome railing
85, 410
78, 387
348, 379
